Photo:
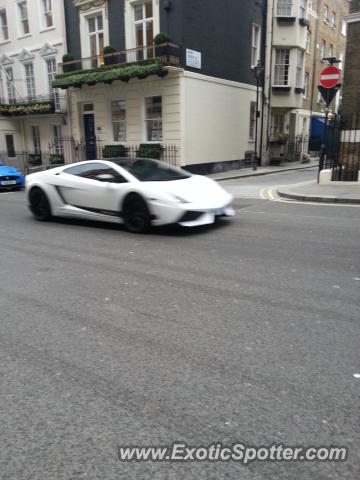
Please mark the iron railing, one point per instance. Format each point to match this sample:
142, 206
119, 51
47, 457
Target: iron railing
66, 150
342, 150
55, 102
168, 53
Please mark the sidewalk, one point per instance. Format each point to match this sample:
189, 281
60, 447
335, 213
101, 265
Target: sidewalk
248, 172
342, 192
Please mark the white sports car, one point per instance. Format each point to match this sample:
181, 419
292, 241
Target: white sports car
138, 193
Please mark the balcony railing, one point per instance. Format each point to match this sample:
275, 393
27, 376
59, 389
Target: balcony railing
167, 54
34, 105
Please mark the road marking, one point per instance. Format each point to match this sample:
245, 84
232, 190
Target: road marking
268, 194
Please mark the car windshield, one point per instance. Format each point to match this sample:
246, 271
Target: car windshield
147, 170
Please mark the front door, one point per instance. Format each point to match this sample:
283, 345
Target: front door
90, 137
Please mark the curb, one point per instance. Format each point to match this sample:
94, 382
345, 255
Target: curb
314, 198
221, 179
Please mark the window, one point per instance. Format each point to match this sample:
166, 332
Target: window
343, 28
35, 134
118, 118
341, 61
4, 31
96, 40
310, 4
92, 170
143, 29
51, 72
333, 20
306, 84
10, 85
23, 18
277, 123
284, 8
153, 119
47, 15
319, 97
30, 81
300, 69
322, 50
252, 120
330, 51
58, 146
303, 9
282, 65
255, 49
326, 14
10, 146
147, 170
308, 41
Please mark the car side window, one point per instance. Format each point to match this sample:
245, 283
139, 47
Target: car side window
93, 170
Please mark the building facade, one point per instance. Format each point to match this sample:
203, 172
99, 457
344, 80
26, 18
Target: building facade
300, 34
195, 90
32, 114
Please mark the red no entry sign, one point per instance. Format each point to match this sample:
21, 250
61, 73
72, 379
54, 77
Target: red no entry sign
330, 77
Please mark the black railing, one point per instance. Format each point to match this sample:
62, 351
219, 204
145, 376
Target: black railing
168, 53
65, 150
342, 152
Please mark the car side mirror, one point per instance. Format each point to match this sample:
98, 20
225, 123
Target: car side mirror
105, 177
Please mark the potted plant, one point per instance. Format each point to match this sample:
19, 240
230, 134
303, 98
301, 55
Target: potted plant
114, 151
161, 48
68, 58
111, 59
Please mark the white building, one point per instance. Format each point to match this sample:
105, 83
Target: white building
32, 114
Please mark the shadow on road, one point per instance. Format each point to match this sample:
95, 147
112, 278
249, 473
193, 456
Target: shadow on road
169, 230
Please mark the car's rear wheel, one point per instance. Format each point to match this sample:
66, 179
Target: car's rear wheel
136, 214
39, 204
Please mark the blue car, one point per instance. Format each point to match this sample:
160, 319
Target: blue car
11, 178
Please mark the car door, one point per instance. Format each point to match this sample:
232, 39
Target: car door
94, 186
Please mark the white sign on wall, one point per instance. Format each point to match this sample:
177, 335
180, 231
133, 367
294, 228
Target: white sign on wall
193, 58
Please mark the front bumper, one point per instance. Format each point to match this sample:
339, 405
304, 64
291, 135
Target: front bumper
193, 218
6, 185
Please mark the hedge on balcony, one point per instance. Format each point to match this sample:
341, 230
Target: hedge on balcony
108, 74
29, 108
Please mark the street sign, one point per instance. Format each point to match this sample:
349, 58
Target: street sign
329, 94
330, 77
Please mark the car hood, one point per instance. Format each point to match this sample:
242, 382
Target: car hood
5, 170
196, 188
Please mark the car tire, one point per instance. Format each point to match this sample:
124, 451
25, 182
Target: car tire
39, 204
136, 215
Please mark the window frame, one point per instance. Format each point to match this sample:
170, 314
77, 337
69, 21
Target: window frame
255, 44
303, 9
99, 61
36, 138
45, 13
30, 81
22, 21
299, 77
145, 53
4, 27
158, 119
53, 92
322, 50
282, 65
333, 20
118, 121
326, 14
10, 87
284, 8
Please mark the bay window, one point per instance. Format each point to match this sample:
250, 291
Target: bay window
284, 8
282, 66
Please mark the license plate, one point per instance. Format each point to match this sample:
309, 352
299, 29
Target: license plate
8, 182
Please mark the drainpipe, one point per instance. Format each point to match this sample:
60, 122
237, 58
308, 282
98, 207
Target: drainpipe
314, 63
270, 75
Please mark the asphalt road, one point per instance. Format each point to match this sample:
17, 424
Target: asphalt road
244, 332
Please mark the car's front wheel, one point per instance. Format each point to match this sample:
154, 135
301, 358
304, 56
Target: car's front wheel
39, 204
136, 214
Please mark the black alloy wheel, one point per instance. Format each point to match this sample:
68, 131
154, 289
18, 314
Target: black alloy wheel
136, 214
39, 204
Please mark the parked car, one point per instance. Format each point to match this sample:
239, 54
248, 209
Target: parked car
11, 178
137, 192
